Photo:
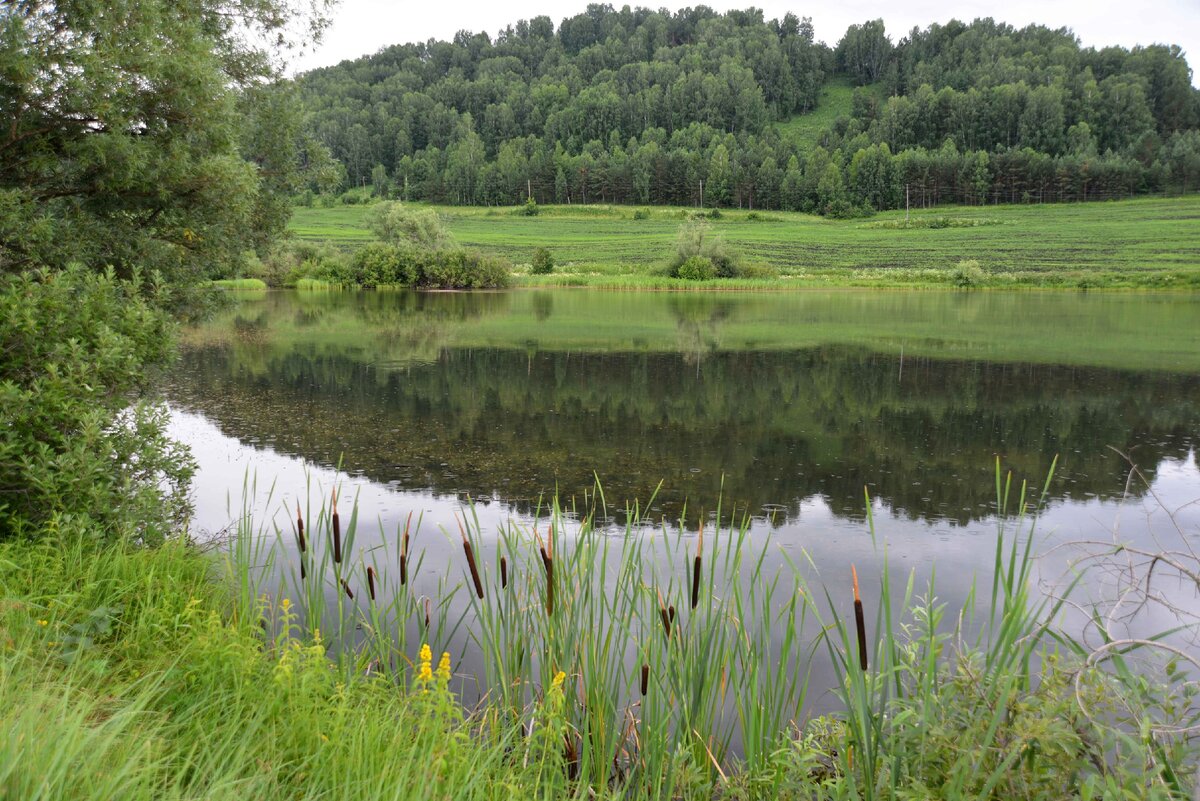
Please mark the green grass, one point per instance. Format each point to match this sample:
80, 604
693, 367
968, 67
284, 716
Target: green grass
803, 129
1142, 243
240, 283
166, 673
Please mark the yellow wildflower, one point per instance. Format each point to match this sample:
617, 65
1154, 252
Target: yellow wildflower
559, 678
287, 604
443, 669
425, 672
43, 622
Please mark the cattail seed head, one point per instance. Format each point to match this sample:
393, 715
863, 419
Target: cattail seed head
346, 587
371, 582
403, 569
300, 529
503, 573
337, 532
860, 624
645, 678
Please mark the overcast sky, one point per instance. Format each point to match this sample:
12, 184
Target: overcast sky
364, 26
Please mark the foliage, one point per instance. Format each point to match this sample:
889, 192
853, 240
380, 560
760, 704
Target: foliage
530, 207
261, 675
125, 144
396, 223
967, 273
463, 269
543, 262
701, 250
382, 264
975, 113
696, 268
78, 446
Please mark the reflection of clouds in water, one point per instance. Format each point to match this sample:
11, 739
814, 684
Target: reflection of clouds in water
959, 554
819, 541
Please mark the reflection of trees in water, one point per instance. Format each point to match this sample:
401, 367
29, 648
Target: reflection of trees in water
779, 426
698, 324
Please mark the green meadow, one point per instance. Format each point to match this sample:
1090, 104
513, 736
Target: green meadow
1144, 243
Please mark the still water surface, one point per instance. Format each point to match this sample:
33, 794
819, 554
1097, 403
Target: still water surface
783, 407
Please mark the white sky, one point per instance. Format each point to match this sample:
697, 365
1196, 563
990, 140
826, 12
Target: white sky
361, 27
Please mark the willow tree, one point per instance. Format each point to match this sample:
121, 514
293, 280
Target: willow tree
123, 141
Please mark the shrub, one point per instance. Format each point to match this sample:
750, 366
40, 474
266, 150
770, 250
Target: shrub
696, 268
641, 214
381, 264
968, 274
695, 238
462, 269
543, 262
79, 442
530, 208
398, 224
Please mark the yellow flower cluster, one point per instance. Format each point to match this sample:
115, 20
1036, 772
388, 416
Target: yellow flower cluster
443, 669
425, 673
557, 683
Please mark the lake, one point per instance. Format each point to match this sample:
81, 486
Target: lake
790, 411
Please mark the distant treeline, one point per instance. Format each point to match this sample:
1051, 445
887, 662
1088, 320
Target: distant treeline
649, 107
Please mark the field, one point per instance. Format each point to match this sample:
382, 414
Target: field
1150, 243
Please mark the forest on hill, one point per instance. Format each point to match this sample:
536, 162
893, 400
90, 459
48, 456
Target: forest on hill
696, 107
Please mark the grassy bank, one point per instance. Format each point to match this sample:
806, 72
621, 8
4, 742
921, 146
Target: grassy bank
1144, 243
167, 673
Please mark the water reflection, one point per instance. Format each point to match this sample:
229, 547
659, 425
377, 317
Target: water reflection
498, 396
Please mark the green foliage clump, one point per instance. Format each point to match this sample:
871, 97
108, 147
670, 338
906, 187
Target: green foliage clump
530, 207
967, 274
543, 262
696, 268
396, 224
641, 214
696, 240
383, 264
79, 440
459, 268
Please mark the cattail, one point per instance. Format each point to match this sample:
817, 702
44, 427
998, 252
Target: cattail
671, 612
426, 615
337, 532
547, 551
300, 529
403, 569
645, 678
503, 573
859, 623
407, 525
300, 541
666, 616
470, 559
571, 756
371, 581
696, 563
346, 587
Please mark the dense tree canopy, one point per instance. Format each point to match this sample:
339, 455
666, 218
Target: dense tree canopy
141, 133
641, 106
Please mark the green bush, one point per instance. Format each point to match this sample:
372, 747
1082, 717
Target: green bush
530, 208
696, 268
80, 442
462, 269
695, 238
382, 264
543, 262
968, 274
641, 214
398, 224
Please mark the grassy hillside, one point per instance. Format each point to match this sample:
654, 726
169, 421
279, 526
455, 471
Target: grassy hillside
1153, 243
802, 130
